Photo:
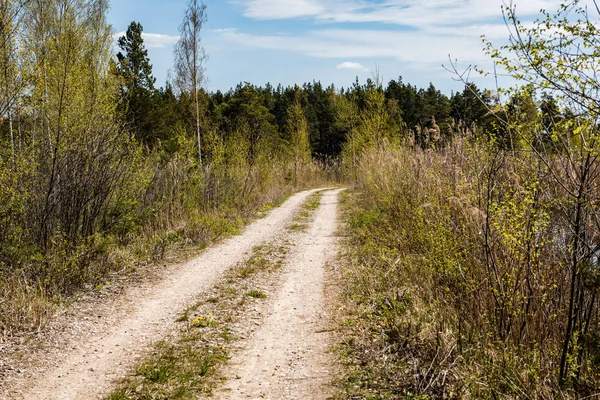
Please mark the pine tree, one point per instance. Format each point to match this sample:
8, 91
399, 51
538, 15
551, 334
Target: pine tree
137, 84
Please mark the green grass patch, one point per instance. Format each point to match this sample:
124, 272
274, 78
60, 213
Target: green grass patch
298, 227
180, 370
204, 321
314, 201
257, 294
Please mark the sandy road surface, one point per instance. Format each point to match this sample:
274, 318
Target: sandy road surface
287, 357
87, 368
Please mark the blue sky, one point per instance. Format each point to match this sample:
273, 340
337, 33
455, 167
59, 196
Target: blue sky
334, 41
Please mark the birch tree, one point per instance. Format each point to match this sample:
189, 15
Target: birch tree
11, 81
190, 58
75, 97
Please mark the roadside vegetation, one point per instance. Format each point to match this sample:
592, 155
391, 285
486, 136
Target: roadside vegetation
472, 257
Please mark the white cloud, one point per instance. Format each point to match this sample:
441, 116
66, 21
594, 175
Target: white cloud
406, 46
154, 40
159, 41
353, 65
224, 30
415, 13
282, 9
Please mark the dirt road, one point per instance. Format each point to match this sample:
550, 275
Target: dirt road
86, 368
287, 356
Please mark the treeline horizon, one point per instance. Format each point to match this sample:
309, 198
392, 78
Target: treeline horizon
413, 109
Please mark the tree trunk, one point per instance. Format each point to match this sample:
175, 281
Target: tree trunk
12, 136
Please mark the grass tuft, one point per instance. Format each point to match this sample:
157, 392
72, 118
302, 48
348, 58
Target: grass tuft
257, 294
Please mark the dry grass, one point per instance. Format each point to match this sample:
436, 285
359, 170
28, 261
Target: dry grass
22, 307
